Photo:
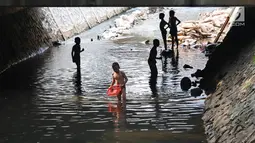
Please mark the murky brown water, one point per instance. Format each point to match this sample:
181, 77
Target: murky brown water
42, 101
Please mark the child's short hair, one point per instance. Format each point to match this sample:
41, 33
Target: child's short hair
77, 40
171, 12
115, 64
155, 42
161, 15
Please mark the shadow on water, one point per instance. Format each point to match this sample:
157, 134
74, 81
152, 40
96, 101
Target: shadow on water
118, 111
175, 59
172, 70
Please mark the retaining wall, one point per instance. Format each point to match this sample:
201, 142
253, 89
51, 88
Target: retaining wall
230, 111
24, 32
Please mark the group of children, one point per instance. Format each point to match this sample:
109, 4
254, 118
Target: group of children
172, 24
119, 78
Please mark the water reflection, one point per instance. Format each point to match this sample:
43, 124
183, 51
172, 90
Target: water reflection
153, 85
54, 113
175, 59
77, 82
118, 111
175, 68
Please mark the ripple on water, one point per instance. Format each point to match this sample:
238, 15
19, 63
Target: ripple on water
69, 106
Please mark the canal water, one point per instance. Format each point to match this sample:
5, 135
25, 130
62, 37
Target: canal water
43, 100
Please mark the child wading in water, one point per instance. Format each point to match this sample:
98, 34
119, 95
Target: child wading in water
173, 28
120, 78
162, 25
152, 58
76, 52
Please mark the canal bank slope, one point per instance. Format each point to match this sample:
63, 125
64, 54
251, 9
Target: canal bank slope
229, 115
24, 32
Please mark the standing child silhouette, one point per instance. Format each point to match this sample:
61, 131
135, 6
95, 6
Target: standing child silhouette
76, 52
173, 27
162, 25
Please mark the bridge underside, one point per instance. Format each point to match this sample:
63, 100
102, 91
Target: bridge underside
128, 2
22, 33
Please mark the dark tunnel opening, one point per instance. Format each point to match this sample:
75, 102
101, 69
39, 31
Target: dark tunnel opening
230, 70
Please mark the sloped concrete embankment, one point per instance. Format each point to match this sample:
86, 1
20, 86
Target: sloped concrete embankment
25, 32
230, 111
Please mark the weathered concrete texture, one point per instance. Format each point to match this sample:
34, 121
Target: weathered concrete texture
230, 112
22, 34
50, 25
129, 2
25, 31
71, 21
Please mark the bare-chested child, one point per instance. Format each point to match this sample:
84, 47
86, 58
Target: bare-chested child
119, 78
162, 25
76, 52
173, 21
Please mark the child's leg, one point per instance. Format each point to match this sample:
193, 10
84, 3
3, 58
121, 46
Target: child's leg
177, 41
164, 40
119, 96
78, 64
172, 42
124, 93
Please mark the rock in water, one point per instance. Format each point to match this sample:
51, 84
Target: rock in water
193, 84
198, 73
187, 66
147, 42
56, 43
185, 84
195, 92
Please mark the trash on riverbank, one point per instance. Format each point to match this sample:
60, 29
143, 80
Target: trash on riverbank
197, 33
126, 22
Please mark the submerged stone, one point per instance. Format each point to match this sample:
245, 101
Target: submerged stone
195, 92
185, 84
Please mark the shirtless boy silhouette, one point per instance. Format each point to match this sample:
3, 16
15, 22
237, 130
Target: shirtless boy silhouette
152, 58
173, 27
119, 78
162, 25
76, 52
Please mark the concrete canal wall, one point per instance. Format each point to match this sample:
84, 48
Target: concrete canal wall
26, 31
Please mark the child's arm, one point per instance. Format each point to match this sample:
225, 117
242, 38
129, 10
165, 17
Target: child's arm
72, 53
82, 50
178, 21
113, 81
158, 57
168, 25
125, 77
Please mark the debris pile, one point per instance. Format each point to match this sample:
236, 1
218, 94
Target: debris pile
126, 22
204, 29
